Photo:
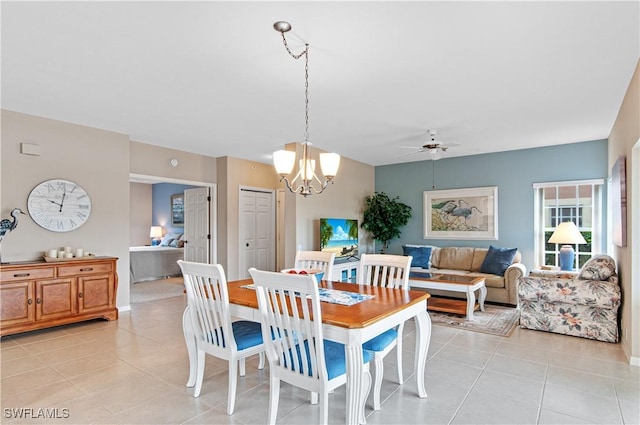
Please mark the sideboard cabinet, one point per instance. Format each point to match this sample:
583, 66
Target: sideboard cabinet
36, 295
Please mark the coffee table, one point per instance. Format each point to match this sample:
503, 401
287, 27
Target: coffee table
455, 283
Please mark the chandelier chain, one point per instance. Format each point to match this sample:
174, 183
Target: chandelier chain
304, 53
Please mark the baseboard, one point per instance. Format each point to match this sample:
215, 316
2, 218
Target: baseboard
633, 361
125, 308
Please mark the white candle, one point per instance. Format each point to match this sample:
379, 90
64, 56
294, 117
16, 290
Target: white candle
79, 252
68, 255
53, 253
61, 254
67, 249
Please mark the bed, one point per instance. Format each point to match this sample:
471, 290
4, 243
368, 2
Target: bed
154, 262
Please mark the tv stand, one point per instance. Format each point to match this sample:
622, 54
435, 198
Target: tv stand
345, 269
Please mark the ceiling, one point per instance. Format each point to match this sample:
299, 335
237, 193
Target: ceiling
214, 77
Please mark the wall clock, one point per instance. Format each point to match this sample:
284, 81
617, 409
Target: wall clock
59, 205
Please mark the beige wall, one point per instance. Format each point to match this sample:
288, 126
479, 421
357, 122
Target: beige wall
140, 210
624, 140
152, 160
97, 160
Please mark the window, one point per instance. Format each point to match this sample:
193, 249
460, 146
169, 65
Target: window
577, 201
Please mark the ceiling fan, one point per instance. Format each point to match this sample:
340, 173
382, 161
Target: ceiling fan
434, 147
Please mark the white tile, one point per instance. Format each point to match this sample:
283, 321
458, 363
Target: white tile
581, 381
590, 407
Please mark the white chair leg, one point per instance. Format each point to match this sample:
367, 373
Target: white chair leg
314, 398
261, 361
233, 380
242, 367
274, 396
324, 407
399, 353
399, 361
199, 374
377, 386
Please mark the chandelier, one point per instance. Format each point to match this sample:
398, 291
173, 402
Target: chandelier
305, 179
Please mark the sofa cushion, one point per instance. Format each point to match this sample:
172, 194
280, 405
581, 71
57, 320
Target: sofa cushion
478, 258
599, 267
498, 260
421, 255
456, 258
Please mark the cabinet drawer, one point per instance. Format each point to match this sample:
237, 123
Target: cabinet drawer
83, 269
34, 273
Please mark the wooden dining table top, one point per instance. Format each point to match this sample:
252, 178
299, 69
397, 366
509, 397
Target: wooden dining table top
385, 302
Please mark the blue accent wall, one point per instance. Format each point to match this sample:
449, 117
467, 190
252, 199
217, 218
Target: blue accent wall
161, 200
513, 172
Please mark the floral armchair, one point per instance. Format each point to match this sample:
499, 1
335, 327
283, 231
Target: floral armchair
585, 305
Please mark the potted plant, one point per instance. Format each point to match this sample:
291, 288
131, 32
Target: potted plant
384, 217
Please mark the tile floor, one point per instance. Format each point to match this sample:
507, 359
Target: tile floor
133, 371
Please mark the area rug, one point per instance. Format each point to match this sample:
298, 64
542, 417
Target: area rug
495, 320
156, 289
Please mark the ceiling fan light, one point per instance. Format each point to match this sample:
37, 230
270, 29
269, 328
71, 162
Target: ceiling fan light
284, 161
329, 163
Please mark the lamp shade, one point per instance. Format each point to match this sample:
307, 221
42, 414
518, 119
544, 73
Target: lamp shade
284, 161
155, 232
329, 163
567, 233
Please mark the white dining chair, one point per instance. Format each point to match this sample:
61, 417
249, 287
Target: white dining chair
296, 350
215, 333
388, 271
316, 260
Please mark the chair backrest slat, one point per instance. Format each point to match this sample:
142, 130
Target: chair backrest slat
291, 322
387, 271
208, 299
316, 260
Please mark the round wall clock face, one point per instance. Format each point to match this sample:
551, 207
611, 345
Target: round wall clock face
59, 205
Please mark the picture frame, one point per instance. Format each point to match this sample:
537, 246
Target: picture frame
177, 210
470, 213
619, 201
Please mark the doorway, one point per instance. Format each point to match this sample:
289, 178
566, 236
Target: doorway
211, 241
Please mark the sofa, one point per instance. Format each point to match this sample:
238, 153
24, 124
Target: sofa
501, 284
583, 304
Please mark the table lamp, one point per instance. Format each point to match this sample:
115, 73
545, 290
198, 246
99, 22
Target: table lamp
155, 234
567, 233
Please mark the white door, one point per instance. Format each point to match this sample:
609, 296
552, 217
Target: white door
196, 225
257, 231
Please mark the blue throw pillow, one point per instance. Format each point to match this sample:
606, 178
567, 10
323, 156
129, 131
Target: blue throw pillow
498, 260
421, 255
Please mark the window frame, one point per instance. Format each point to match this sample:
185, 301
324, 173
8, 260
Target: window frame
596, 228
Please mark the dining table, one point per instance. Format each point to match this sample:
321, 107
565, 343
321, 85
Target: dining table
351, 325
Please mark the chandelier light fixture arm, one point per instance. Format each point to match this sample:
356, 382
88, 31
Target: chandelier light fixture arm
284, 161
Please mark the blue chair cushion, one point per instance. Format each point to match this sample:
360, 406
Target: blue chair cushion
334, 358
247, 334
381, 342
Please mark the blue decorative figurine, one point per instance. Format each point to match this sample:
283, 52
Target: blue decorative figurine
7, 225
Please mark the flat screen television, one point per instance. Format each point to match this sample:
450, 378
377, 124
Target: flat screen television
339, 235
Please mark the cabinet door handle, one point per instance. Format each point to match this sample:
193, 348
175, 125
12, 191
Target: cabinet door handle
88, 269
80, 295
22, 274
38, 301
30, 301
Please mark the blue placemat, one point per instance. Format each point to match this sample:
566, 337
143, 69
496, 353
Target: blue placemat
423, 275
335, 296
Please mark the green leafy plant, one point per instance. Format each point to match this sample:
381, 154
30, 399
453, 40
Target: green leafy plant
384, 216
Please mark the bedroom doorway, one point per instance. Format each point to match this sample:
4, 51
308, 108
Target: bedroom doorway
209, 227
